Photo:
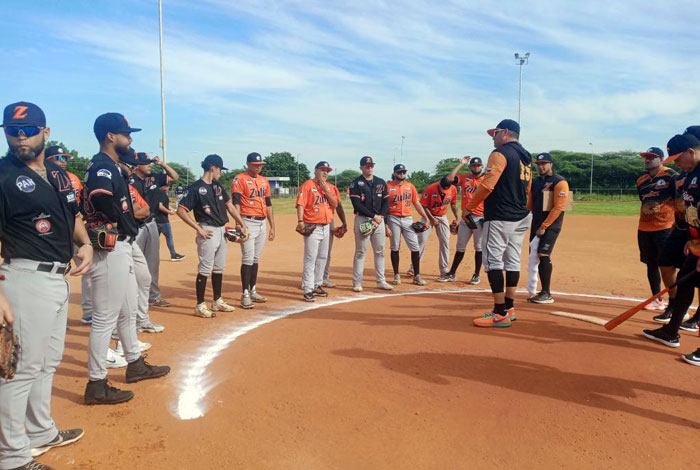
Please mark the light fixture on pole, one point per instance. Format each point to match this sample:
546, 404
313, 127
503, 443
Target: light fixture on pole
521, 60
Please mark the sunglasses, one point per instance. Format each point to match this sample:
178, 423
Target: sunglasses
402, 172
60, 158
28, 131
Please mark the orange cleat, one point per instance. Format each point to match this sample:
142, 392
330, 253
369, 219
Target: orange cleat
492, 319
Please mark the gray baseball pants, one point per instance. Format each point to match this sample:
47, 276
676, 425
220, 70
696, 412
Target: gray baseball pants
327, 268
143, 283
502, 242
148, 240
402, 226
252, 249
464, 233
315, 256
361, 244
211, 251
39, 303
443, 233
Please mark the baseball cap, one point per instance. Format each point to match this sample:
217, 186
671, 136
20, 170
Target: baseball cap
325, 165
142, 158
399, 167
366, 160
55, 151
678, 144
113, 123
503, 125
543, 157
23, 113
256, 158
129, 159
214, 160
476, 161
653, 152
695, 130
160, 179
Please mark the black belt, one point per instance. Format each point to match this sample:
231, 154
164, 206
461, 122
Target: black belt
48, 267
253, 217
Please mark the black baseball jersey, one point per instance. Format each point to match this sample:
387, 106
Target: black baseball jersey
160, 197
146, 188
369, 197
106, 195
557, 187
208, 202
36, 218
508, 200
688, 199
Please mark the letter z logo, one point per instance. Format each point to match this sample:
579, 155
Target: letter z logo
20, 112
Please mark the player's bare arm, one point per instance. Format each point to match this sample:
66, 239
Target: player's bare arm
85, 251
184, 214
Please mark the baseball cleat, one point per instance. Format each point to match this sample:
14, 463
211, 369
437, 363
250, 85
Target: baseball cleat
357, 287
100, 392
384, 285
511, 313
418, 280
34, 465
319, 292
246, 301
692, 358
492, 319
541, 298
177, 257
219, 305
662, 336
150, 327
141, 370
328, 283
309, 297
114, 360
86, 320
475, 280
443, 278
397, 279
657, 304
63, 438
201, 310
158, 302
255, 297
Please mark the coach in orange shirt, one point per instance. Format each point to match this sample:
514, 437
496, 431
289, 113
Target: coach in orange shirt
315, 203
251, 197
403, 197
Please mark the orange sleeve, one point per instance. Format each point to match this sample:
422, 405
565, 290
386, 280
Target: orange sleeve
560, 193
235, 185
494, 169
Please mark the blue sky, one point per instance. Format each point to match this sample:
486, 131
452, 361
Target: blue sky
336, 80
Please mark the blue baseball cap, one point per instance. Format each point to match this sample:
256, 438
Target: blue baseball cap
695, 130
23, 113
678, 144
399, 167
112, 123
142, 158
324, 165
255, 158
476, 161
366, 160
508, 124
214, 160
543, 157
653, 152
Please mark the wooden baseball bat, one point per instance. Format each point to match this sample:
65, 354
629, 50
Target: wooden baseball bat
623, 317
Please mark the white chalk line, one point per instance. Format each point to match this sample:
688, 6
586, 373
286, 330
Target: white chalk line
196, 384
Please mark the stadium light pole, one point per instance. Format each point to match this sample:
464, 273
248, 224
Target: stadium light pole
521, 60
162, 81
403, 137
590, 188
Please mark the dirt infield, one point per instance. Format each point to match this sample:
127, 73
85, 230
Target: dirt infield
397, 381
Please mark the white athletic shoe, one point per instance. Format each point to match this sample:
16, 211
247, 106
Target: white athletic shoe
418, 280
656, 305
397, 279
150, 327
328, 283
219, 305
357, 287
255, 297
114, 360
201, 310
246, 301
384, 285
143, 347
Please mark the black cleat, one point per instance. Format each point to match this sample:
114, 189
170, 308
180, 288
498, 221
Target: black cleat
541, 298
664, 317
34, 465
141, 370
662, 336
692, 358
100, 392
309, 296
319, 292
690, 325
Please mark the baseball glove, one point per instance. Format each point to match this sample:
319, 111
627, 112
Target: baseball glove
9, 352
367, 228
307, 230
235, 235
419, 227
453, 227
103, 236
340, 231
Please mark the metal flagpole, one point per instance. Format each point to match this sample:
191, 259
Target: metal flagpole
162, 80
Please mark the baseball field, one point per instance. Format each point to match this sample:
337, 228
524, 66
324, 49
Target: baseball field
395, 380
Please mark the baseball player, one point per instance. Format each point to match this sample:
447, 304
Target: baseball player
506, 218
656, 192
114, 290
179, 194
436, 198
468, 184
148, 238
162, 202
403, 197
370, 202
251, 195
546, 224
210, 203
339, 232
314, 214
38, 228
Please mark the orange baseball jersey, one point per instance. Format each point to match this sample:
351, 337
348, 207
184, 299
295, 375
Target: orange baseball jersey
436, 200
468, 183
311, 197
336, 193
656, 194
401, 198
253, 191
77, 185
136, 198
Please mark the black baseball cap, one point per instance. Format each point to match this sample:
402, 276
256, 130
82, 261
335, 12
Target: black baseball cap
55, 151
476, 161
653, 152
543, 157
399, 167
161, 179
678, 144
214, 160
23, 113
508, 124
324, 165
256, 158
129, 159
366, 160
113, 123
695, 130
142, 158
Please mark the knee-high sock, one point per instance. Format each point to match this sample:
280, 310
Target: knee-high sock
459, 255
415, 260
684, 297
478, 255
216, 280
253, 276
246, 271
200, 287
545, 271
654, 277
395, 261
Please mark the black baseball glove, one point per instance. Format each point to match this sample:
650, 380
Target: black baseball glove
235, 235
307, 230
103, 236
419, 227
9, 352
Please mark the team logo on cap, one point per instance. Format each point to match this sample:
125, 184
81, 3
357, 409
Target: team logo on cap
42, 226
25, 184
20, 112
